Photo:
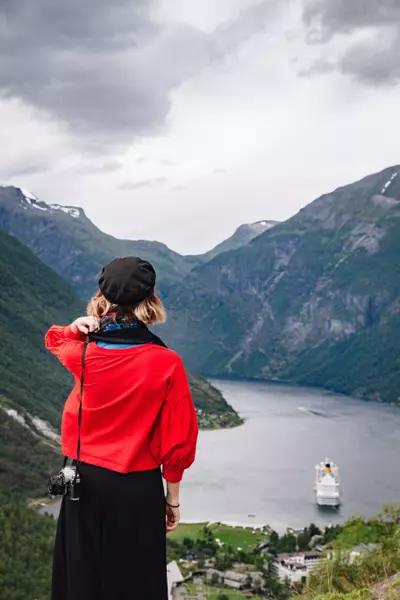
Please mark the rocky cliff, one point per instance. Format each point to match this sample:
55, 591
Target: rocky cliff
315, 299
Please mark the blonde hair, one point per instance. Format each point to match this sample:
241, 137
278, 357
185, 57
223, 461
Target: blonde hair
150, 311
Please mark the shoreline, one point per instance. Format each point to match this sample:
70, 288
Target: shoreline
226, 523
43, 508
213, 379
51, 509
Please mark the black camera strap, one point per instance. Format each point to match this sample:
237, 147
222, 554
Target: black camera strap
82, 381
78, 445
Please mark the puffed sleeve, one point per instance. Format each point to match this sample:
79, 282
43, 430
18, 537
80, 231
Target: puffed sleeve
67, 346
175, 438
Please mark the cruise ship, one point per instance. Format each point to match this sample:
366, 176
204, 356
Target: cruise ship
327, 484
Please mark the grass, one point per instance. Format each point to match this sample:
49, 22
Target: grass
242, 537
212, 593
239, 537
187, 530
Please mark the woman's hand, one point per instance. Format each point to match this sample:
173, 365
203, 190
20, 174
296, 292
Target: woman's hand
85, 325
173, 516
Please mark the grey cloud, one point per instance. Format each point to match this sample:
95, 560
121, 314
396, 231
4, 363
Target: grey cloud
165, 162
107, 68
144, 183
344, 16
318, 67
169, 163
250, 21
374, 61
219, 171
30, 167
106, 167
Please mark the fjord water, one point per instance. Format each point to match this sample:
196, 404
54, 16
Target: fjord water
265, 467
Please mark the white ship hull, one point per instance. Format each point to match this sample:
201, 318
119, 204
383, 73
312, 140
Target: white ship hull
327, 484
328, 500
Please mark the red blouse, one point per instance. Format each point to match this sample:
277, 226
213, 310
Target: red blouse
137, 411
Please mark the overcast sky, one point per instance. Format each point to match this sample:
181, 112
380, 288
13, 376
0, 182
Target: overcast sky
178, 120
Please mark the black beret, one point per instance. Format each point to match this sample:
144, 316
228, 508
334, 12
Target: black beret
127, 281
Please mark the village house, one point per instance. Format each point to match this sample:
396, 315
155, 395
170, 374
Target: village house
297, 565
174, 577
236, 581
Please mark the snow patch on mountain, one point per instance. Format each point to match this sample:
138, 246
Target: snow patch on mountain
261, 226
28, 195
388, 183
36, 204
29, 200
72, 211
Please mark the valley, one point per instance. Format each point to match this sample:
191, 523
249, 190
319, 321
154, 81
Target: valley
313, 300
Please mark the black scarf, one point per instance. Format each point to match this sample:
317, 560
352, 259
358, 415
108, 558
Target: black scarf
139, 334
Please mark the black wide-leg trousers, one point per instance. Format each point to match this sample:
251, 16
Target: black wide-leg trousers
111, 544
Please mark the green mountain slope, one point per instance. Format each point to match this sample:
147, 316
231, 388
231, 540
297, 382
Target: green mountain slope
369, 363
32, 383
66, 240
32, 297
292, 301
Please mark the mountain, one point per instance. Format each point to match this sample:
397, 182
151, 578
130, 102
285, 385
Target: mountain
66, 240
33, 385
242, 236
315, 299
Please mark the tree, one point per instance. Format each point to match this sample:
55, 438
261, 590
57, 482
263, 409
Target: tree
223, 562
259, 562
26, 550
188, 543
314, 530
273, 542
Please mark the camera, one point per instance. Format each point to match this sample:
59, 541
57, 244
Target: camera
65, 483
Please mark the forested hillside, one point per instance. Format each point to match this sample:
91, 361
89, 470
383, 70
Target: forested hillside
26, 546
315, 299
32, 297
32, 383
